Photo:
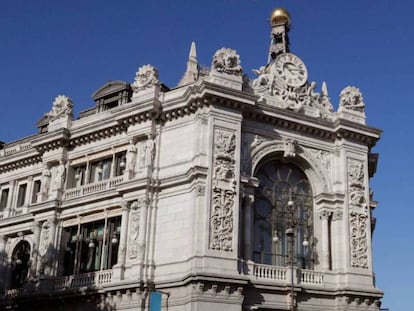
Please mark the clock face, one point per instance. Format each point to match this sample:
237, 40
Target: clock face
290, 69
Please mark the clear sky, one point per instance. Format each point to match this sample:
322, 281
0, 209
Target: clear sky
73, 47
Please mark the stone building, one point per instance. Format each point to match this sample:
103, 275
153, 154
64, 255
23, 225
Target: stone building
223, 193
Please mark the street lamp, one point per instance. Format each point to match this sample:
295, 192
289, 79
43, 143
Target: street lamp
295, 220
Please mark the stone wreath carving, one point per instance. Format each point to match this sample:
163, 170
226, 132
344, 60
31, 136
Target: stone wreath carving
227, 61
62, 106
224, 184
351, 99
146, 77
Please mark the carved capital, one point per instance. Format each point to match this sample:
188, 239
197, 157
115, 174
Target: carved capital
325, 214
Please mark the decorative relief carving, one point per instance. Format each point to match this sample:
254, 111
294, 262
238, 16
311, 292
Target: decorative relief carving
291, 97
58, 176
146, 77
227, 61
62, 106
324, 157
351, 99
359, 247
358, 215
131, 156
134, 221
356, 184
224, 185
289, 148
147, 152
45, 238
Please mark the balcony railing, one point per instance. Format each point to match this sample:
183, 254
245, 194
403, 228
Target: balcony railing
93, 188
98, 278
282, 274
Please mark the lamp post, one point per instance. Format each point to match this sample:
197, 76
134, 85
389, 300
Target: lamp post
294, 219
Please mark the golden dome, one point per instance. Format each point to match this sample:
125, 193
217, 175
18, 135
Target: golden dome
279, 16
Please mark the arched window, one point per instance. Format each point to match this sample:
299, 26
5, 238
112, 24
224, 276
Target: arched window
20, 264
283, 216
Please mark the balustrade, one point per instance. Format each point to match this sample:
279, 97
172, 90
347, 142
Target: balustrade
268, 272
84, 280
93, 188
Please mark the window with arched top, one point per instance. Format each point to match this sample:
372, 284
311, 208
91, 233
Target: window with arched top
283, 216
20, 264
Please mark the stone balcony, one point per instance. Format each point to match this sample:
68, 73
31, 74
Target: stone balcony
92, 279
283, 275
103, 185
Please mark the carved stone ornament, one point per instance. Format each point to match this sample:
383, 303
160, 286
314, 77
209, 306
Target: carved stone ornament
289, 148
358, 219
62, 106
359, 245
133, 235
356, 188
146, 77
292, 97
351, 99
227, 61
324, 157
224, 183
44, 238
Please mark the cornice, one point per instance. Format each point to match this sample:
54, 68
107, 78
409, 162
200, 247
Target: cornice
51, 140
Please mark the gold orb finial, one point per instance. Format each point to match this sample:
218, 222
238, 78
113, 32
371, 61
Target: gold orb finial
279, 16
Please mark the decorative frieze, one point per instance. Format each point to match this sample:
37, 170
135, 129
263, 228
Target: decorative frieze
223, 194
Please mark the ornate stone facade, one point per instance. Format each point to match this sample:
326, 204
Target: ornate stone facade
185, 190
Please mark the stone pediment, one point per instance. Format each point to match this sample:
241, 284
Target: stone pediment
109, 88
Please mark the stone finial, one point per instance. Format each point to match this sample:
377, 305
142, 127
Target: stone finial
62, 106
146, 77
351, 99
227, 61
192, 72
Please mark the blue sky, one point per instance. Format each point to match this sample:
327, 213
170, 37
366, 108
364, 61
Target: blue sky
73, 47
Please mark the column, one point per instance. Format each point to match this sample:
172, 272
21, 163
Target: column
124, 234
35, 249
248, 226
325, 239
119, 269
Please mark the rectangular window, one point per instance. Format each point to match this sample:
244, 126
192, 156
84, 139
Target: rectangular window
100, 170
94, 249
21, 195
120, 163
36, 190
4, 198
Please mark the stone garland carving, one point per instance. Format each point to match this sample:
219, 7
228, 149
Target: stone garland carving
351, 99
224, 184
62, 106
358, 215
146, 77
134, 221
227, 61
294, 98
